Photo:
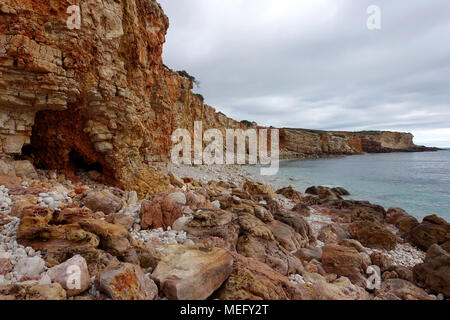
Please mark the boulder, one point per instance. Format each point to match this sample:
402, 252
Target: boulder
290, 193
252, 225
297, 222
24, 169
352, 243
126, 281
432, 230
175, 180
318, 288
30, 266
178, 197
255, 189
381, 260
159, 212
340, 191
373, 235
344, 261
270, 252
394, 214
103, 201
52, 291
72, 275
253, 280
286, 236
434, 273
308, 254
5, 266
399, 289
332, 233
190, 273
406, 223
121, 219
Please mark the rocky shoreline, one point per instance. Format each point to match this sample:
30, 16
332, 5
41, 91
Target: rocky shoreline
217, 227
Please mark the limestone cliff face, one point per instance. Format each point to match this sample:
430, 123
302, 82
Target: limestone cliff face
100, 96
307, 143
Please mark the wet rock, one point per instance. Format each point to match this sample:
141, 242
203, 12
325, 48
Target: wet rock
125, 281
52, 291
344, 261
253, 280
72, 275
400, 289
434, 273
323, 193
159, 212
103, 201
192, 274
373, 235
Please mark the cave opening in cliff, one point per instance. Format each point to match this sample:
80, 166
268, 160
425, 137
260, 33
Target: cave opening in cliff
78, 162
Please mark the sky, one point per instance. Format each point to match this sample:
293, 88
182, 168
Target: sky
316, 64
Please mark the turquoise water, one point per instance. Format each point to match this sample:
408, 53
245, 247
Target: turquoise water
416, 182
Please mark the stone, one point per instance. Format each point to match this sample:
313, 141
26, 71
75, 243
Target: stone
394, 214
372, 235
297, 222
381, 260
5, 266
126, 281
178, 197
72, 275
251, 279
52, 291
121, 219
192, 274
432, 230
406, 223
175, 180
30, 266
24, 169
290, 193
352, 243
286, 236
317, 288
400, 289
159, 212
103, 201
434, 273
332, 233
344, 261
308, 254
255, 188
340, 191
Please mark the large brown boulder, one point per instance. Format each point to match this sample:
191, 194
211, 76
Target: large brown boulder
286, 236
406, 223
125, 281
251, 279
297, 222
258, 189
432, 230
344, 261
190, 273
290, 193
373, 235
159, 212
394, 214
103, 201
434, 273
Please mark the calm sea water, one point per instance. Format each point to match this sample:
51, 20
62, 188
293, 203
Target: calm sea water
416, 182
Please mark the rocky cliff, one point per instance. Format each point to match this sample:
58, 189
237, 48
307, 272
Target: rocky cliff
100, 97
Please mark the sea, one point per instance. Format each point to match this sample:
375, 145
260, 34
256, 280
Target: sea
417, 182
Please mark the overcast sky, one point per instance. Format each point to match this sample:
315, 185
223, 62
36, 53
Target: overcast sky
315, 64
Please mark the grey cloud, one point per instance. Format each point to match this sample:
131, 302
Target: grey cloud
314, 64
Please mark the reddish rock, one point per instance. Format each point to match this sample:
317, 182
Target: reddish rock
399, 289
344, 261
290, 193
103, 201
394, 214
432, 230
372, 235
253, 280
125, 281
434, 273
406, 223
52, 291
159, 212
5, 266
192, 274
